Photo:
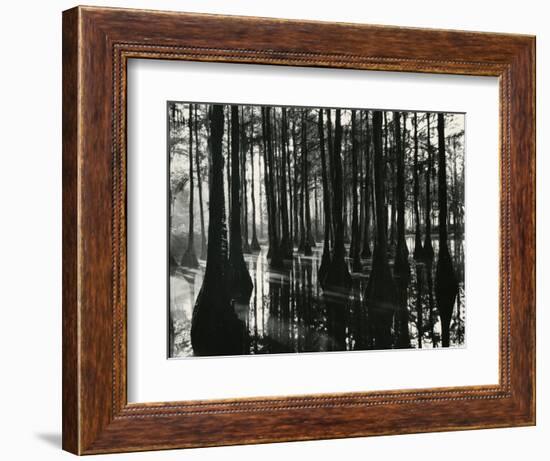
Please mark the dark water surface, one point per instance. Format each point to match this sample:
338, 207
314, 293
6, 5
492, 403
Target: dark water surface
288, 311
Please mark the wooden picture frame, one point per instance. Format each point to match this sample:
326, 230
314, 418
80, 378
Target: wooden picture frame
97, 43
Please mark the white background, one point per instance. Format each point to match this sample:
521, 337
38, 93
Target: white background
30, 235
153, 378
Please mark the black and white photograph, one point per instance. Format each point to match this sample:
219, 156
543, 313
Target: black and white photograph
266, 230
314, 229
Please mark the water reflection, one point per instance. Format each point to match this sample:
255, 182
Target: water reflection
289, 312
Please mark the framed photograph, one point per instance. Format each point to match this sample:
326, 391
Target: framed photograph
282, 230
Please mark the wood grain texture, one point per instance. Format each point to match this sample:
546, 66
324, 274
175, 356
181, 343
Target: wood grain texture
97, 42
70, 385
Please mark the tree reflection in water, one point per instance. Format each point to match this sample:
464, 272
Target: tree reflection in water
288, 312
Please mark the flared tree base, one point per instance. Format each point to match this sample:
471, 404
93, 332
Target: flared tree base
366, 253
337, 277
254, 244
323, 267
286, 249
240, 284
401, 267
189, 258
173, 264
428, 251
418, 252
356, 265
215, 327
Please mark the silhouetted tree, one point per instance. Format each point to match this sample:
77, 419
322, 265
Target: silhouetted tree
295, 187
325, 259
215, 327
428, 248
330, 169
315, 207
240, 282
389, 151
286, 247
244, 184
291, 191
380, 290
367, 178
401, 264
345, 182
199, 179
402, 252
446, 285
419, 307
228, 157
189, 258
338, 276
254, 244
355, 234
274, 253
418, 251
306, 221
177, 183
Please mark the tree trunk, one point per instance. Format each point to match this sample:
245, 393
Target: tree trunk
316, 209
361, 180
325, 259
390, 158
380, 291
275, 174
286, 244
262, 232
457, 199
302, 221
189, 258
254, 244
418, 251
419, 307
295, 203
291, 190
387, 178
401, 264
366, 252
215, 327
345, 176
228, 157
428, 248
270, 237
338, 277
198, 168
330, 169
355, 234
272, 222
240, 282
402, 252
446, 285
244, 185
305, 189
173, 264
